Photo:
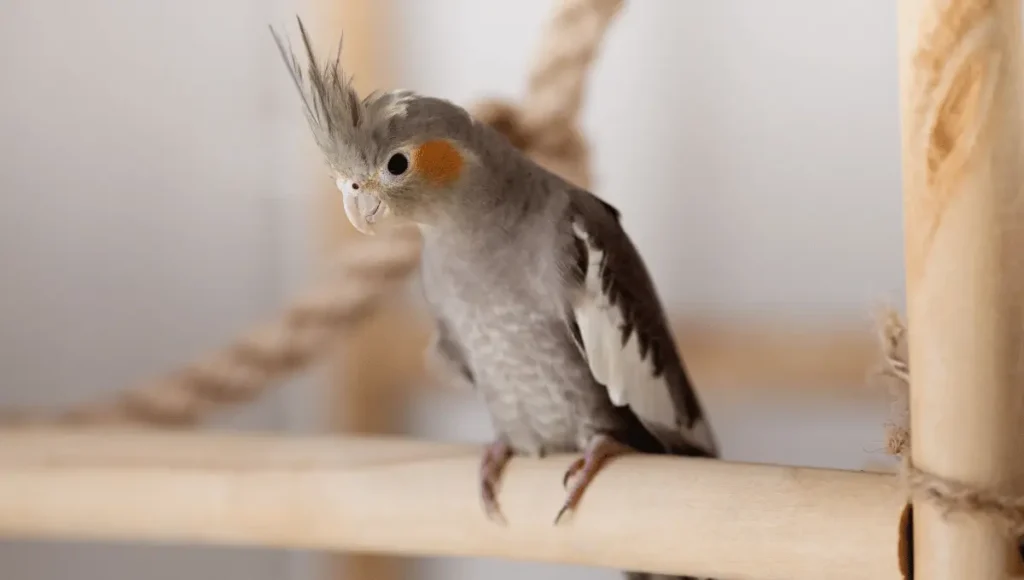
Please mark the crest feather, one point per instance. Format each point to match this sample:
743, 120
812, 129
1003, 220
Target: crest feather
339, 119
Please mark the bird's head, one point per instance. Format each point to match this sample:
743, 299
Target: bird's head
392, 153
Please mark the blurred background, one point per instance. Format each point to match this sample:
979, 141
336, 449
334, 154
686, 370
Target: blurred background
159, 193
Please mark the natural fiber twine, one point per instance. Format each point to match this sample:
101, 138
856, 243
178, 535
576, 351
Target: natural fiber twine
949, 495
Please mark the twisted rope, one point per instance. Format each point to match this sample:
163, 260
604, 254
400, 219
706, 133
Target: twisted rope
544, 127
546, 124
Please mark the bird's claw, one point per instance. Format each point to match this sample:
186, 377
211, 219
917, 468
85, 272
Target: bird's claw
495, 457
574, 468
584, 469
492, 509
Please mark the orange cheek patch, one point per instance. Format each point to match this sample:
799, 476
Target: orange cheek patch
438, 162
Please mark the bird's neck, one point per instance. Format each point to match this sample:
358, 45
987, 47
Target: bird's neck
494, 206
485, 230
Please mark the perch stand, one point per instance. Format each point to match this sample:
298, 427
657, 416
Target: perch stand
396, 496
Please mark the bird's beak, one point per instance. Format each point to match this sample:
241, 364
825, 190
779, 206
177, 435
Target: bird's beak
364, 211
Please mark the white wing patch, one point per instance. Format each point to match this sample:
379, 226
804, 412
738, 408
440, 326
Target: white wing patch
629, 378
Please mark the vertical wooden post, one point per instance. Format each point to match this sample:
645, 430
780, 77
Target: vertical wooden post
365, 394
961, 123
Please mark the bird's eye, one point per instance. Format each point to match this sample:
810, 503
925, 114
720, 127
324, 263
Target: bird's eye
398, 164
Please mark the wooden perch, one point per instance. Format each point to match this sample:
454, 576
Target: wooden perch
387, 495
960, 72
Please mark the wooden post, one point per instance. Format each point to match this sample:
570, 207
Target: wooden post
961, 108
383, 354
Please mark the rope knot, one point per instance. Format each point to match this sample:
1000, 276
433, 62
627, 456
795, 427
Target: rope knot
557, 145
949, 495
505, 118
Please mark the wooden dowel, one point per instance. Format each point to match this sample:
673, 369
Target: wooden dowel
961, 108
387, 495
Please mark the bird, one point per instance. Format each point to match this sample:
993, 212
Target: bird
540, 300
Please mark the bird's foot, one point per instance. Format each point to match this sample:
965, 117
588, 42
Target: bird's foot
496, 456
598, 451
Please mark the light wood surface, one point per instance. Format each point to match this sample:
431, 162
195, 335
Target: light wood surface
703, 517
960, 102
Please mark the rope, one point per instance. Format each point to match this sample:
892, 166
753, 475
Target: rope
544, 127
950, 495
896, 368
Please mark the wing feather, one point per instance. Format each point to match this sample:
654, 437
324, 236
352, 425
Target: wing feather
623, 333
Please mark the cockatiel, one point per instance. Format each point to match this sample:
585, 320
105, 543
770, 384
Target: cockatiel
541, 301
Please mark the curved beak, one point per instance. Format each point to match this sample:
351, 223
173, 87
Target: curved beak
364, 211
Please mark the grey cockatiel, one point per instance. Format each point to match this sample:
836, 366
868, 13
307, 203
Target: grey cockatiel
541, 301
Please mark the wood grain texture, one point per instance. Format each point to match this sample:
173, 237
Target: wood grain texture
960, 113
666, 514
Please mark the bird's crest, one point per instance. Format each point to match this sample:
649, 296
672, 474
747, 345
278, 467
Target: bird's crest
343, 124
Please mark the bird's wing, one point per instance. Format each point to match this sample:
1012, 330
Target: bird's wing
446, 357
620, 327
